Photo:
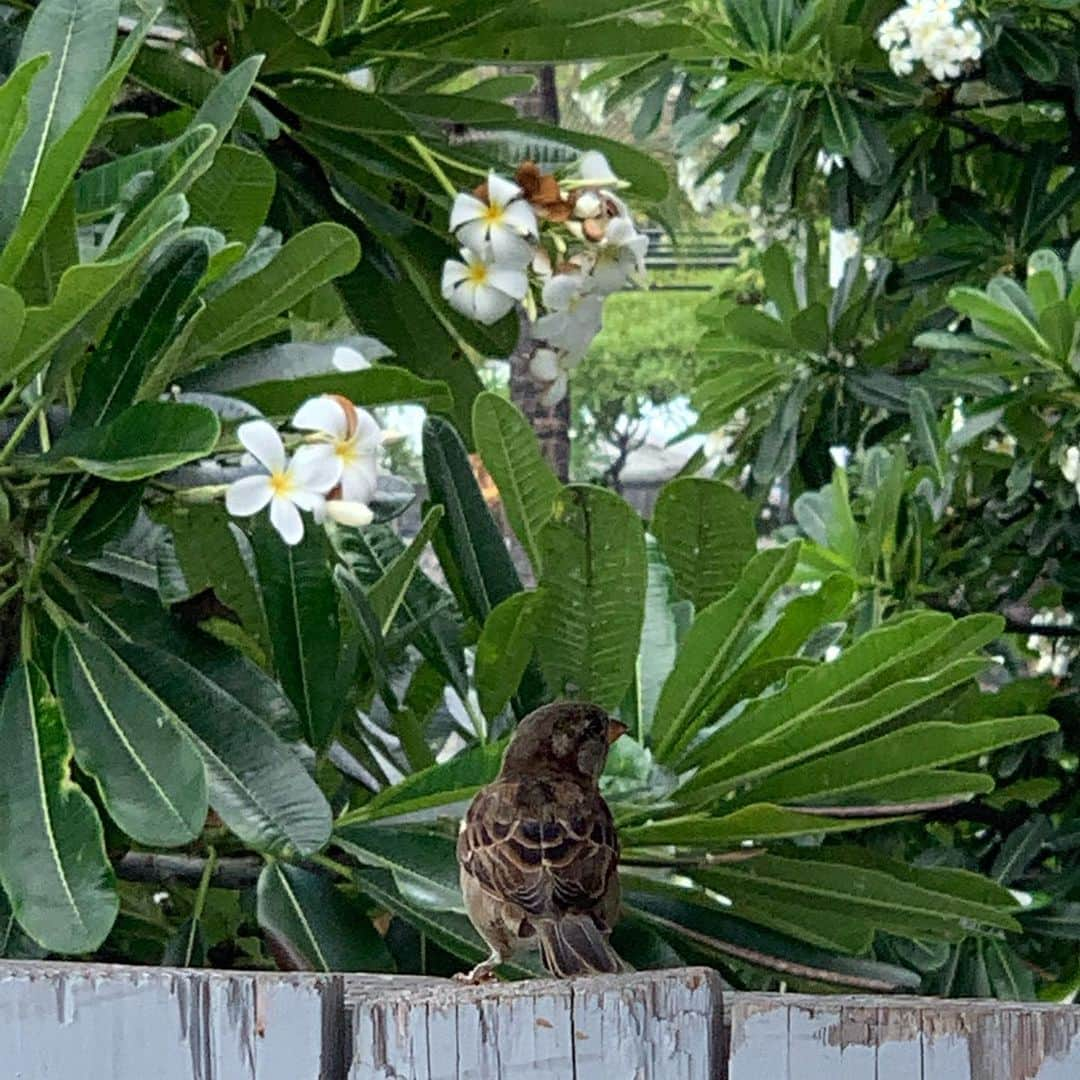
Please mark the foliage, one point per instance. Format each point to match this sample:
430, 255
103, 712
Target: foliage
286, 732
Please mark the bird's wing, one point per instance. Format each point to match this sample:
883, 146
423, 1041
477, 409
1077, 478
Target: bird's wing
548, 846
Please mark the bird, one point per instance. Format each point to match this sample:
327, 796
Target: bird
538, 851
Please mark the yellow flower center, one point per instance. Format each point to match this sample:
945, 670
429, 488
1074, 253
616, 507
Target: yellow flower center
492, 215
478, 273
346, 450
281, 483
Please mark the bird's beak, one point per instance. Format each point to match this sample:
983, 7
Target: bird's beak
615, 728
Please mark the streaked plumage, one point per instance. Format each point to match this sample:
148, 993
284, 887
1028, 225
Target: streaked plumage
538, 850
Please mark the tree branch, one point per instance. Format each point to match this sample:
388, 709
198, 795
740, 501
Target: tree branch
238, 872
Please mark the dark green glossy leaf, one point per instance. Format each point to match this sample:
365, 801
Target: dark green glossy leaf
593, 595
316, 924
504, 650
301, 606
53, 866
150, 775
706, 531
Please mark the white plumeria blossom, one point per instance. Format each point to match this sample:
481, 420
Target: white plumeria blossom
574, 314
826, 162
594, 171
840, 455
482, 288
926, 31
349, 442
1070, 467
844, 244
287, 487
1054, 654
621, 255
505, 225
346, 358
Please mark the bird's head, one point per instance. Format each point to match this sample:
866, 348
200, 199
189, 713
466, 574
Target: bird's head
571, 736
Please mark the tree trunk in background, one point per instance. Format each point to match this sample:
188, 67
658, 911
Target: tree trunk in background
552, 425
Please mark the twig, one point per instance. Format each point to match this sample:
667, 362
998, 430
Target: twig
236, 872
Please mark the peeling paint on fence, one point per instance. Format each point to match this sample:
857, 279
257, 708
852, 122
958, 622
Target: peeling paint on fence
96, 1022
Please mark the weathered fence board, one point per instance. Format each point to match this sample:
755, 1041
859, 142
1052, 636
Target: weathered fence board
100, 1022
643, 1026
97, 1022
792, 1037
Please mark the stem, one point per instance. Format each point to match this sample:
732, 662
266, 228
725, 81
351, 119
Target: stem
240, 872
330, 864
365, 11
9, 592
200, 903
326, 22
425, 155
478, 722
21, 428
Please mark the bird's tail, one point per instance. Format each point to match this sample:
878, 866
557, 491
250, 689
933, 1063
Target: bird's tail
573, 945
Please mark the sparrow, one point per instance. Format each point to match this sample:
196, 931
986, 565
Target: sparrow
538, 850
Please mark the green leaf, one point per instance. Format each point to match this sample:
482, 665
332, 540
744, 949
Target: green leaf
593, 585
237, 316
83, 293
258, 785
780, 281
345, 109
743, 382
867, 892
706, 531
840, 128
279, 379
1001, 320
526, 484
504, 650
810, 328
468, 530
38, 190
759, 329
316, 924
53, 865
234, 194
759, 822
15, 105
897, 755
710, 650
151, 778
924, 423
444, 784
143, 440
1057, 324
78, 37
139, 332
388, 593
449, 930
647, 177
301, 605
825, 516
12, 314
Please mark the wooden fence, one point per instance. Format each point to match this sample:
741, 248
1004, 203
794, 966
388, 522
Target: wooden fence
92, 1022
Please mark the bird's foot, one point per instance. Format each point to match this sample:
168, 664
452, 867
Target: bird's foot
484, 972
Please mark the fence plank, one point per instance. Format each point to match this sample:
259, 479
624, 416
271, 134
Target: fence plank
796, 1037
645, 1026
105, 1022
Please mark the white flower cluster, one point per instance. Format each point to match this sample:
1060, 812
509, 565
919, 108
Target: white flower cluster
333, 475
926, 31
704, 195
826, 162
576, 243
1055, 654
1070, 467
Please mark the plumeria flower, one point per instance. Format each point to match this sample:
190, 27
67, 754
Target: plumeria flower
726, 134
481, 287
1070, 467
574, 314
826, 162
893, 31
287, 486
621, 254
349, 441
902, 61
503, 222
546, 366
595, 171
